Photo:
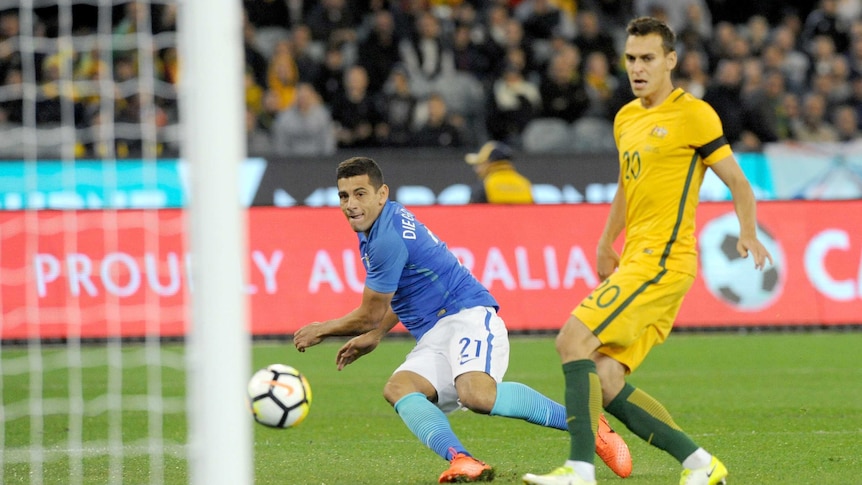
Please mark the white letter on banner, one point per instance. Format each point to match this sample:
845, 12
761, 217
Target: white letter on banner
551, 267
353, 281
131, 265
172, 264
80, 267
815, 255
497, 269
522, 260
47, 268
268, 268
578, 267
323, 271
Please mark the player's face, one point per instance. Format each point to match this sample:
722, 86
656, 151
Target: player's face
649, 68
360, 202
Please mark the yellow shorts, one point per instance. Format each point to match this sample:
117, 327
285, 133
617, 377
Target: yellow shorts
634, 310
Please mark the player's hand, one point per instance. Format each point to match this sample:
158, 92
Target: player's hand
607, 261
753, 246
307, 336
356, 348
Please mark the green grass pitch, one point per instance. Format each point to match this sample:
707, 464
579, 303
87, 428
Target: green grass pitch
777, 408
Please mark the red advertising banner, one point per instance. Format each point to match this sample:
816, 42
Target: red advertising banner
92, 273
125, 273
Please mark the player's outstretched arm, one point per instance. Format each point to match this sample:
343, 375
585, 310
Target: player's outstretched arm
744, 203
368, 316
365, 343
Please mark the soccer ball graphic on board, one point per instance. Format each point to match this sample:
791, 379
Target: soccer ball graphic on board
733, 279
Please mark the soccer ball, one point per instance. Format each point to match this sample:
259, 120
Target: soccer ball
279, 396
732, 279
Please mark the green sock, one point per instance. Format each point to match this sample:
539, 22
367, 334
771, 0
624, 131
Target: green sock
647, 418
583, 405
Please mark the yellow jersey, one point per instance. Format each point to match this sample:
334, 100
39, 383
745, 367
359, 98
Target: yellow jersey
504, 185
664, 152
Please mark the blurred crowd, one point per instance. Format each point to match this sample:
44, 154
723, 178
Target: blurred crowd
88, 71
539, 75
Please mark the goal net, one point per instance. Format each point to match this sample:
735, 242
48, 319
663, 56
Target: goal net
112, 210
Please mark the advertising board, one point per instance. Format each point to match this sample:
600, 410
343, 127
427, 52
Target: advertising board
101, 273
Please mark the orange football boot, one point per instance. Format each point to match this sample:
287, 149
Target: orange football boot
464, 468
612, 449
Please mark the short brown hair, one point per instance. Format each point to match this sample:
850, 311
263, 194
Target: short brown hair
650, 25
353, 167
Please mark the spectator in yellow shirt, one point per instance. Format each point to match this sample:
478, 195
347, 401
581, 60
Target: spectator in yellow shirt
500, 182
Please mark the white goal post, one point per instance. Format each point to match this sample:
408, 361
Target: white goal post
125, 344
212, 100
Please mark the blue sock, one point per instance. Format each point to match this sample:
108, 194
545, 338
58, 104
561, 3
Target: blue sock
515, 400
429, 424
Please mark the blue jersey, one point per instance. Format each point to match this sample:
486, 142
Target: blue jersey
403, 257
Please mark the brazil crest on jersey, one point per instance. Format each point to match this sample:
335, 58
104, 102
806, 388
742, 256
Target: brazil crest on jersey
664, 152
401, 255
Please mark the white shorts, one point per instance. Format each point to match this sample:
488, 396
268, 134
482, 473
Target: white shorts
474, 339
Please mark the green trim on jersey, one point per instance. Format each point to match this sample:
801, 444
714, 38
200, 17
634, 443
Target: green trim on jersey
628, 301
